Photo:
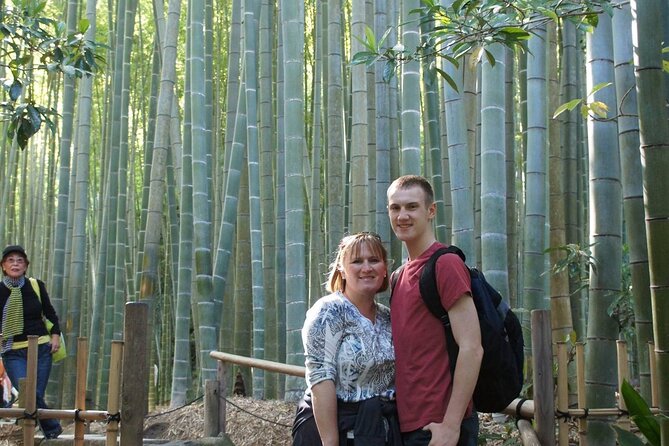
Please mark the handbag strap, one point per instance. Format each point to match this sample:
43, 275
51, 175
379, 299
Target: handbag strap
35, 285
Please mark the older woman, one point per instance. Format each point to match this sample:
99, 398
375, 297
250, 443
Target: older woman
349, 354
23, 314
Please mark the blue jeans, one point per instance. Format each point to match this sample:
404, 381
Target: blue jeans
469, 434
16, 365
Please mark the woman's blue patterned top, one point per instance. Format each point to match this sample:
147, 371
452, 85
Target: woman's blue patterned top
342, 345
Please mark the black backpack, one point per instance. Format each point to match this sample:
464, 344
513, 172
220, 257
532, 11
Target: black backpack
501, 377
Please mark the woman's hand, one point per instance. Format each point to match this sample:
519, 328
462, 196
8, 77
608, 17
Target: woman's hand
55, 343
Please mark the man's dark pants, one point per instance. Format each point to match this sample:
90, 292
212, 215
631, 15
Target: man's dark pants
469, 433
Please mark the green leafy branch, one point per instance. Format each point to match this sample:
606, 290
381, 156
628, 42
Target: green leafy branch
596, 109
576, 261
32, 43
469, 27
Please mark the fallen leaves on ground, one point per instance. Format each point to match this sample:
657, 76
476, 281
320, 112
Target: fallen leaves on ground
250, 422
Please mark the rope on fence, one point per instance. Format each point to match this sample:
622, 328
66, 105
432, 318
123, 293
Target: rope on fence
28, 416
114, 417
519, 415
199, 398
584, 413
256, 416
564, 416
175, 409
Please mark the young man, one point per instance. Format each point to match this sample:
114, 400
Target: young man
434, 407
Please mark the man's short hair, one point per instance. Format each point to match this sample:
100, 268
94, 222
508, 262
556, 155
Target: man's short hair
407, 181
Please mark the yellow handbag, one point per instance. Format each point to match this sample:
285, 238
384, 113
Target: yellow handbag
61, 353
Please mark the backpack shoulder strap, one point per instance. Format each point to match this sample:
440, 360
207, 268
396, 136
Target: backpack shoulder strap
35, 285
394, 276
428, 284
430, 294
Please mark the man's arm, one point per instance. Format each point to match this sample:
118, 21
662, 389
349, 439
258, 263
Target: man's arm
467, 334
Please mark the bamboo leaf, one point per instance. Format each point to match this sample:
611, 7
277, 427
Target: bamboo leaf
15, 90
599, 108
606, 6
490, 57
584, 111
641, 414
385, 36
34, 117
11, 128
452, 60
448, 79
83, 25
363, 57
389, 70
571, 105
550, 14
591, 20
598, 87
39, 7
627, 438
370, 37
515, 33
457, 5
649, 427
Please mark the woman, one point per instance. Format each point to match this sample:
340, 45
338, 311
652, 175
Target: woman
23, 314
349, 354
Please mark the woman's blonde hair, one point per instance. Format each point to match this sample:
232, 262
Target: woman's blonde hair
349, 246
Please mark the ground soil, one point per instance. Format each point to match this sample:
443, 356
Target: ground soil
249, 423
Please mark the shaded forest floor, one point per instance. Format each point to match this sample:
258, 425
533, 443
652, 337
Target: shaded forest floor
249, 423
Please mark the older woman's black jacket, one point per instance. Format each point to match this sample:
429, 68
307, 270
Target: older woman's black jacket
33, 324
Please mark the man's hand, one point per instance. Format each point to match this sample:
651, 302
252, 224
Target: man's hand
443, 434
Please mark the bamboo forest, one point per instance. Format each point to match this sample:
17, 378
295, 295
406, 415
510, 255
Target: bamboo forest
206, 157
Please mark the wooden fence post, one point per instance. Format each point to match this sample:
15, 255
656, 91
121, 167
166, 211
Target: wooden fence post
563, 391
80, 386
580, 385
623, 374
542, 376
654, 387
30, 398
222, 375
135, 375
114, 391
211, 408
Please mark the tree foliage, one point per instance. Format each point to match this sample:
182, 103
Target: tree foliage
471, 26
33, 44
